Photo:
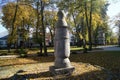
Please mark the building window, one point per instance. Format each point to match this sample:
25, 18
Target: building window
1, 42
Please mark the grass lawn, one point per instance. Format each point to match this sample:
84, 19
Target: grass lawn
83, 65
35, 50
107, 59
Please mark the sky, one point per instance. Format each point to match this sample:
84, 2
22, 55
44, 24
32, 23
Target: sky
3, 30
113, 9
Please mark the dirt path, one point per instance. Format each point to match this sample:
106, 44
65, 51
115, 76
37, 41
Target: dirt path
110, 48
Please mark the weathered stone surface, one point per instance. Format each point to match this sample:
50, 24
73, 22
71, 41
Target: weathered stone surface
62, 47
61, 19
61, 71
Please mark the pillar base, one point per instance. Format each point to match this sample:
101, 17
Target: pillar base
61, 71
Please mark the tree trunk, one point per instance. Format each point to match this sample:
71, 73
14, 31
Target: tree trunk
88, 25
84, 46
14, 18
43, 28
28, 43
51, 34
8, 46
83, 34
40, 53
41, 48
77, 32
13, 27
37, 20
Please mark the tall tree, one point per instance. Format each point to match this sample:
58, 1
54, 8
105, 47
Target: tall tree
16, 16
88, 8
117, 23
42, 3
50, 20
40, 27
12, 37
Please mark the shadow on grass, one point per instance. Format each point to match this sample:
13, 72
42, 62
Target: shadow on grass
18, 64
104, 59
20, 76
42, 59
28, 60
93, 75
109, 60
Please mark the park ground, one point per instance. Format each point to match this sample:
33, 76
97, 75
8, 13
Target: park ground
95, 65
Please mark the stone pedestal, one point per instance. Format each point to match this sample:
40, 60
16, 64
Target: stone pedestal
62, 47
61, 71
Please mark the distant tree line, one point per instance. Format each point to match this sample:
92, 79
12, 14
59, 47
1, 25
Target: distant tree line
84, 17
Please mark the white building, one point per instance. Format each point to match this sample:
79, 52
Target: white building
101, 37
3, 41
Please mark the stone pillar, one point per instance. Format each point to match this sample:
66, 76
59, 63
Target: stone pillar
62, 47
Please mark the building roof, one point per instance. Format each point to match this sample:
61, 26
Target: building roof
4, 37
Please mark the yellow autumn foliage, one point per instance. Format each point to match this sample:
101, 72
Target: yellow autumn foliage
24, 12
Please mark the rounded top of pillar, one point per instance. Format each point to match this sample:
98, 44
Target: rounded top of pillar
61, 19
61, 14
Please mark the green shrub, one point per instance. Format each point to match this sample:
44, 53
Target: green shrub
16, 51
34, 49
23, 52
40, 54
